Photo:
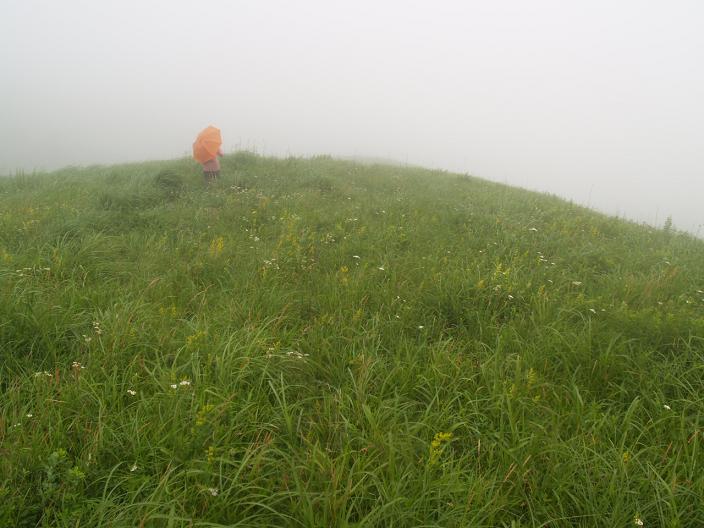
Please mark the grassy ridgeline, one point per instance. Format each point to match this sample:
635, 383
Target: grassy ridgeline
324, 343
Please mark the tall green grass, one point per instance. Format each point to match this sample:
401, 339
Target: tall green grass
312, 342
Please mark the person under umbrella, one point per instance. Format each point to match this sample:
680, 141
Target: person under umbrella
207, 148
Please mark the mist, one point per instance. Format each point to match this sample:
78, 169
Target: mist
598, 102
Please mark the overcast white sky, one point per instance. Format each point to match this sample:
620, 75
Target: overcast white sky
598, 101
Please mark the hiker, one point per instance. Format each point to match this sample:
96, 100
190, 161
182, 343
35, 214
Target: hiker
207, 148
211, 168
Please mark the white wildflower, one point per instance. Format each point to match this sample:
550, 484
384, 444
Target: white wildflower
638, 521
184, 383
667, 407
213, 491
29, 415
510, 296
174, 386
133, 468
77, 365
131, 392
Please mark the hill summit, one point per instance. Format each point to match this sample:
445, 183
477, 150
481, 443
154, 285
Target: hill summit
314, 342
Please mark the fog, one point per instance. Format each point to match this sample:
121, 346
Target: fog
600, 102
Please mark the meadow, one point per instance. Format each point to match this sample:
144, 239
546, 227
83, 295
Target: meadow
324, 343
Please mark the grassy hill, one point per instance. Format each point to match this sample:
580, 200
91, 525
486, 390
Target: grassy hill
312, 342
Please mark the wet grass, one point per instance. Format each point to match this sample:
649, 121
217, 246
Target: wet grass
313, 342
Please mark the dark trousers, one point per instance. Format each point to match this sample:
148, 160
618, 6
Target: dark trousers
211, 176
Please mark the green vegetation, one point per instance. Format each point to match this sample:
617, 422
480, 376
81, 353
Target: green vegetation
312, 342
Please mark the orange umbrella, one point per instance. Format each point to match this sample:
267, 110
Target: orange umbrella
206, 145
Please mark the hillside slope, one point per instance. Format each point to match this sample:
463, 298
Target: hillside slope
325, 343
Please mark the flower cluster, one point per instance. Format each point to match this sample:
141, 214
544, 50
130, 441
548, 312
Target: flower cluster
297, 355
436, 446
182, 383
216, 246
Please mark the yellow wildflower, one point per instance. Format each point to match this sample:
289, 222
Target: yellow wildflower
216, 246
436, 446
